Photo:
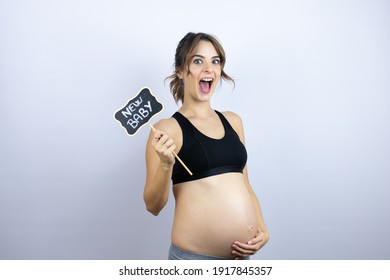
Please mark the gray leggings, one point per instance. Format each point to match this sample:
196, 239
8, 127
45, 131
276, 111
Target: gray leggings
175, 253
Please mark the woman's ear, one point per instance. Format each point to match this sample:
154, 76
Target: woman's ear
180, 75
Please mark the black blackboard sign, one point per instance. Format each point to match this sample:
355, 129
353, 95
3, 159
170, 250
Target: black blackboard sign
138, 111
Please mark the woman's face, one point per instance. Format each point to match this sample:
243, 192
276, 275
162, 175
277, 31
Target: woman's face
203, 73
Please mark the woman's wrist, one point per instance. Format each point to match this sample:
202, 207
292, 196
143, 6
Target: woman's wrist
166, 166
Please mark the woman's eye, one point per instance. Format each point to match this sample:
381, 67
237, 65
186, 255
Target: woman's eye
198, 61
216, 61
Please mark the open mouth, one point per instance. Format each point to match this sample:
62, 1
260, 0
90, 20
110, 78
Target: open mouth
205, 85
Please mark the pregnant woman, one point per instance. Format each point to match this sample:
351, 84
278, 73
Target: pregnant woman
217, 214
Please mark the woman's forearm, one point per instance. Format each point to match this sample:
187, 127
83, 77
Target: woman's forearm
157, 190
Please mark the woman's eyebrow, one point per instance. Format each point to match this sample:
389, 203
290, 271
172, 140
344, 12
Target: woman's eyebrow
201, 56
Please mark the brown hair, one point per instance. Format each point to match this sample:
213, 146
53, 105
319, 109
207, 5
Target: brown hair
183, 50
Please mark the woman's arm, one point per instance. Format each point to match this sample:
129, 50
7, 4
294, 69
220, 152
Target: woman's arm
159, 166
252, 246
243, 250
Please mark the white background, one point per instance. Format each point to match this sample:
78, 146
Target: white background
312, 87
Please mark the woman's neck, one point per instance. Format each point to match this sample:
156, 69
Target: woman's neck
201, 109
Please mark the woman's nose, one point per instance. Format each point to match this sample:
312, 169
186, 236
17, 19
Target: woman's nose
208, 67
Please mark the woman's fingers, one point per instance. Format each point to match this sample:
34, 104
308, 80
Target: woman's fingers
164, 146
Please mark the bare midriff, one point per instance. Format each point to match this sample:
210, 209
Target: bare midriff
212, 213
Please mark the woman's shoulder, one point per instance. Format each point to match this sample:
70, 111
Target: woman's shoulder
236, 122
168, 125
233, 118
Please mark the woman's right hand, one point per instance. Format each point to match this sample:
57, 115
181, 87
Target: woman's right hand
164, 147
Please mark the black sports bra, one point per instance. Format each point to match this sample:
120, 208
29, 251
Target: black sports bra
206, 156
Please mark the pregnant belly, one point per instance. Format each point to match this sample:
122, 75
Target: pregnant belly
208, 220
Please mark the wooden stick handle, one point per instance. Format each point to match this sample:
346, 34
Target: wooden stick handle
176, 156
182, 163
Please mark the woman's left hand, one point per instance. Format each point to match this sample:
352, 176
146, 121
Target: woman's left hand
242, 250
